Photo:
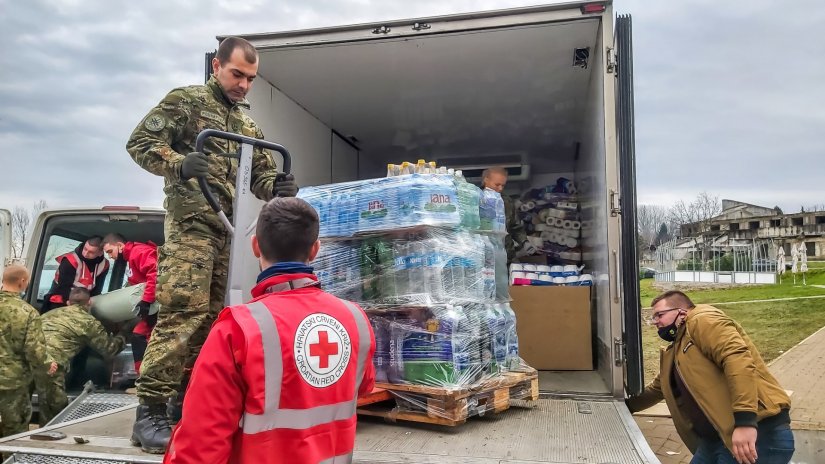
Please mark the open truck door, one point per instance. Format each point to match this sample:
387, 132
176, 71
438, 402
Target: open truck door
631, 306
626, 142
5, 238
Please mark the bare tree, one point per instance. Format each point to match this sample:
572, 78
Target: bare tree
697, 213
649, 220
21, 221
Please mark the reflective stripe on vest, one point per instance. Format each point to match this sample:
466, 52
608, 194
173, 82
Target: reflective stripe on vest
81, 273
275, 417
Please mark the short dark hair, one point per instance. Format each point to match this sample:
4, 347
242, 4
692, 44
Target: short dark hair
287, 228
114, 237
79, 295
229, 44
95, 241
674, 294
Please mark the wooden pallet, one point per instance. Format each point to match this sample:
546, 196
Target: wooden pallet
450, 407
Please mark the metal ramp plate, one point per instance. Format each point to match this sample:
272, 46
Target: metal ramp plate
555, 431
105, 419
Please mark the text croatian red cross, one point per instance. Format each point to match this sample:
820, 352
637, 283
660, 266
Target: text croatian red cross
323, 349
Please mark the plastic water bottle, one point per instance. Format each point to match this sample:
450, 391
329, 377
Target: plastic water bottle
433, 271
386, 270
501, 217
454, 272
434, 200
473, 262
418, 289
501, 274
494, 340
401, 259
489, 270
500, 342
468, 197
513, 361
468, 343
487, 210
378, 205
381, 360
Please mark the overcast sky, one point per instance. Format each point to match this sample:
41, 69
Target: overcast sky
729, 95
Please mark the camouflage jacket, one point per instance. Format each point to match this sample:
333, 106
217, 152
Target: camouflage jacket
70, 328
515, 228
22, 346
168, 133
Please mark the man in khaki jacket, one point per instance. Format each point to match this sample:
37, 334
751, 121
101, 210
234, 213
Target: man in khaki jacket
725, 404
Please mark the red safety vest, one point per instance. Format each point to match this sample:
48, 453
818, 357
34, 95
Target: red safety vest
306, 355
83, 276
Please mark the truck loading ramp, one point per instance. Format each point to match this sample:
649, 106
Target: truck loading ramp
553, 431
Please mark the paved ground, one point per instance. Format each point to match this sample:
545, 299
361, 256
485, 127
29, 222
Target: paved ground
800, 370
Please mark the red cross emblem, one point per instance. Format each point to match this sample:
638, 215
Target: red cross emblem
323, 349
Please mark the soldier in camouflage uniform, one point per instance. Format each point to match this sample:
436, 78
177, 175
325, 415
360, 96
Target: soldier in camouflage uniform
193, 262
68, 330
516, 239
22, 352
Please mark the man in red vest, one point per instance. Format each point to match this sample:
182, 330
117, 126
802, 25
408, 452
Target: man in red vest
277, 380
142, 259
84, 267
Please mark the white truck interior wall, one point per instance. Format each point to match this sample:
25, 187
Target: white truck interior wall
591, 181
345, 160
308, 140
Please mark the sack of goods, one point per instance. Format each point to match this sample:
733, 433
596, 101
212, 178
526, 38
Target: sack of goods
119, 305
422, 251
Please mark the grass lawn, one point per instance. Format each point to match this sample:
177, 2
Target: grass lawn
774, 327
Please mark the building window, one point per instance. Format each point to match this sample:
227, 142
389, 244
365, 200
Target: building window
797, 221
734, 226
714, 228
776, 222
820, 219
753, 225
810, 248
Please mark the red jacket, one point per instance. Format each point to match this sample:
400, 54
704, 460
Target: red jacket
295, 405
143, 266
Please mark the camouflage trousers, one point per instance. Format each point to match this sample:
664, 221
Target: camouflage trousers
15, 411
192, 274
51, 395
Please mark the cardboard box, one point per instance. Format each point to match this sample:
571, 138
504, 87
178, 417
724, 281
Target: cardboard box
553, 324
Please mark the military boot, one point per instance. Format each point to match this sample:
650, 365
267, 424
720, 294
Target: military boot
174, 408
151, 430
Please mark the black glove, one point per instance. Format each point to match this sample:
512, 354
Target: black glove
196, 164
142, 308
285, 186
126, 327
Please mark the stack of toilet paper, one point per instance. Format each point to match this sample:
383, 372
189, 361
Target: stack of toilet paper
536, 274
553, 223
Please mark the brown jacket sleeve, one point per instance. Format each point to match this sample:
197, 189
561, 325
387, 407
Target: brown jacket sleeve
651, 395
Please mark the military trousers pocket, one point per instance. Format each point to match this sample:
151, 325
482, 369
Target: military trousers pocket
185, 275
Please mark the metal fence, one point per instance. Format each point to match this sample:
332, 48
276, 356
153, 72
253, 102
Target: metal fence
717, 259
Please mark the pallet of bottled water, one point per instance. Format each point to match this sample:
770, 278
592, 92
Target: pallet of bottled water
423, 252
